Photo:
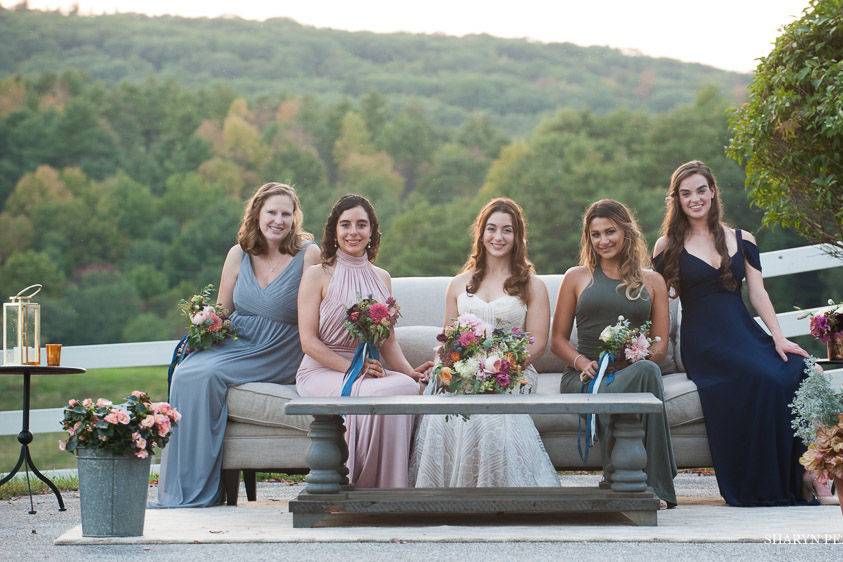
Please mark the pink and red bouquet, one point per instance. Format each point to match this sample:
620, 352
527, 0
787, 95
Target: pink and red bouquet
208, 322
825, 326
369, 320
476, 358
134, 427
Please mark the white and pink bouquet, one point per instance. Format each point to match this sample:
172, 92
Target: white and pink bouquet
476, 358
208, 323
134, 427
625, 343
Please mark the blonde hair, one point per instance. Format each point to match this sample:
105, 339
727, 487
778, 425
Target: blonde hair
634, 255
249, 235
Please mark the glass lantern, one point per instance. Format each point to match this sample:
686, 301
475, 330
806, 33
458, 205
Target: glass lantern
22, 329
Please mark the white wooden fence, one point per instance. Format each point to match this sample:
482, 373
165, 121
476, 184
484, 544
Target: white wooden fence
774, 264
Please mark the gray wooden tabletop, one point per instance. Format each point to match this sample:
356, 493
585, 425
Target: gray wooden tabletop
610, 403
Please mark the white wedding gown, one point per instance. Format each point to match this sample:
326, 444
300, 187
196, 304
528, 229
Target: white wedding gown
497, 450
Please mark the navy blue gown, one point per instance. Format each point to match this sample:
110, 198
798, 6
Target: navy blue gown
744, 386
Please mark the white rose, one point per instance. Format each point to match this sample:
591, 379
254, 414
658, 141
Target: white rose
607, 334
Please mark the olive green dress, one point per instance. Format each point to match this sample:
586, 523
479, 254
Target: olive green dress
599, 306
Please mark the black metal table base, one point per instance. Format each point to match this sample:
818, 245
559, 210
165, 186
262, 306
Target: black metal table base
25, 459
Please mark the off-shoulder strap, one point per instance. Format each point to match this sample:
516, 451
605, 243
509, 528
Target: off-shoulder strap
748, 250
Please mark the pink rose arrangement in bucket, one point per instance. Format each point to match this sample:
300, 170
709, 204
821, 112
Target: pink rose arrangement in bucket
208, 323
134, 427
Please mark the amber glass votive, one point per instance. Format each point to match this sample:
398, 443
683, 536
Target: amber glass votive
53, 354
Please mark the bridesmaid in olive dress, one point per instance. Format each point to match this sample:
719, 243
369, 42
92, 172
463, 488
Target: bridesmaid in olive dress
609, 282
260, 283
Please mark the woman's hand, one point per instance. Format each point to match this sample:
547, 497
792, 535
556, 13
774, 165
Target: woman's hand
374, 368
423, 371
785, 346
589, 372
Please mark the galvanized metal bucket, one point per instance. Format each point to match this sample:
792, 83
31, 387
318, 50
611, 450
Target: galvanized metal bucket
112, 492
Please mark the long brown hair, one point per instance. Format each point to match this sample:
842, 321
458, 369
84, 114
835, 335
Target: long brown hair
518, 283
634, 255
329, 236
249, 235
675, 226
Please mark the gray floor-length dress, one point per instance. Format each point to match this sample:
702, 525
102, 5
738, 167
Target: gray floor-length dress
598, 306
267, 349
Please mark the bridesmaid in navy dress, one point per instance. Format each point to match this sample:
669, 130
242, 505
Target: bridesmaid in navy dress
746, 378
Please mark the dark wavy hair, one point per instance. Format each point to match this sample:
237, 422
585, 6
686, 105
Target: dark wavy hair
249, 235
634, 255
518, 283
676, 225
329, 237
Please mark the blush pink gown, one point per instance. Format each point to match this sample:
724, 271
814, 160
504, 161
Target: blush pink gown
378, 446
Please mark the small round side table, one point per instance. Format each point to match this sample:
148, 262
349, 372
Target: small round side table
25, 436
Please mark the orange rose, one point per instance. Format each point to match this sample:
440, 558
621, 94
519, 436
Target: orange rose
445, 375
455, 356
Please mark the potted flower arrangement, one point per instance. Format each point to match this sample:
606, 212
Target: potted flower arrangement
827, 327
114, 444
818, 421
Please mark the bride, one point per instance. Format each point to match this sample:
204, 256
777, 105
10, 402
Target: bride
499, 286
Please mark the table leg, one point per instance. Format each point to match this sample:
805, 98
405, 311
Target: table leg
343, 450
324, 456
628, 456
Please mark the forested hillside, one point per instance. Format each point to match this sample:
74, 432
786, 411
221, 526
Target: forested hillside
122, 193
514, 81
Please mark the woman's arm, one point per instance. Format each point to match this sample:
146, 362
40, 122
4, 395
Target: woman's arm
760, 300
659, 314
230, 269
537, 322
310, 297
312, 256
563, 323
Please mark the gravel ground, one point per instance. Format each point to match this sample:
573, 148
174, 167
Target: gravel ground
30, 537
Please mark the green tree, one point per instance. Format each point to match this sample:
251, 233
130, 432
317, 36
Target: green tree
790, 132
27, 268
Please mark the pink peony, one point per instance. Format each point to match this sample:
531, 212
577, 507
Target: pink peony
148, 421
492, 364
202, 316
820, 327
174, 415
103, 403
467, 338
87, 402
139, 441
476, 324
216, 324
638, 349
117, 416
72, 403
138, 394
378, 312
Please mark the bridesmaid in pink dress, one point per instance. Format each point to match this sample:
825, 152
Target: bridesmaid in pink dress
379, 446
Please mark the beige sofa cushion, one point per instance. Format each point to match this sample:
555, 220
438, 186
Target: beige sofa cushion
261, 403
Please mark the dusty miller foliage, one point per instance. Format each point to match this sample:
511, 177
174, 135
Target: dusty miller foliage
814, 403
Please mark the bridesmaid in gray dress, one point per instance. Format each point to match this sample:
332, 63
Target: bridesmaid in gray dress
611, 281
260, 283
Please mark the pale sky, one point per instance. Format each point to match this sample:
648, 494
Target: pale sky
728, 34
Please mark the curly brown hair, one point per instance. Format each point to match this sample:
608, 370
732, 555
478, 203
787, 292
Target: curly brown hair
518, 283
634, 255
675, 227
329, 236
249, 235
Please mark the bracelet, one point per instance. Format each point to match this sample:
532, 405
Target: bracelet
574, 363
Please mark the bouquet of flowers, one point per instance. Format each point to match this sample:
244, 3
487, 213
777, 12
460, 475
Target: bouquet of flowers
818, 421
826, 325
474, 358
134, 427
621, 341
370, 322
208, 323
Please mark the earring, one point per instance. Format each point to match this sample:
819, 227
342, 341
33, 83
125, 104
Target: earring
369, 245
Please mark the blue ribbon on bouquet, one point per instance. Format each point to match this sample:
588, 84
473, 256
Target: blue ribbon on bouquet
586, 440
365, 350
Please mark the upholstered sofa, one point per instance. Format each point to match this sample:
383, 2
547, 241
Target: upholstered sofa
260, 437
